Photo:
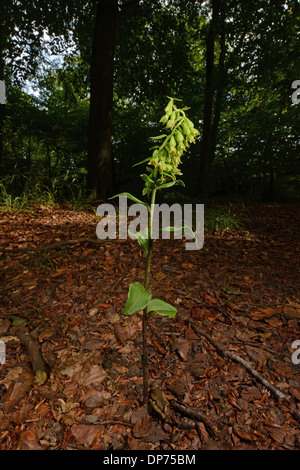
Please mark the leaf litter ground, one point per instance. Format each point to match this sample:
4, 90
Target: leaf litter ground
241, 289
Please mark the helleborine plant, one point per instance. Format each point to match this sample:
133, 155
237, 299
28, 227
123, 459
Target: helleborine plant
162, 172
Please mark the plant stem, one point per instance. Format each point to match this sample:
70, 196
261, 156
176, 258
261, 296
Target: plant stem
145, 314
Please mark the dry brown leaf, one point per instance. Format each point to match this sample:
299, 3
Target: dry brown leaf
156, 434
17, 391
121, 334
292, 310
95, 376
262, 313
159, 276
278, 434
29, 434
182, 346
86, 434
30, 445
244, 435
203, 434
4, 326
142, 427
251, 394
295, 391
139, 413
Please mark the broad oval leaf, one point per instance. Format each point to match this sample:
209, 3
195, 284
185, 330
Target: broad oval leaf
138, 299
161, 308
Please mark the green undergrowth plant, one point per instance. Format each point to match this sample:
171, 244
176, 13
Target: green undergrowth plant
219, 220
8, 202
162, 172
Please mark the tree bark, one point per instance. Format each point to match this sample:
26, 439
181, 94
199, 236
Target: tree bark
2, 112
208, 101
220, 87
100, 162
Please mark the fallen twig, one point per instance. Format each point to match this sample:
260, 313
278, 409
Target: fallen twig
38, 365
115, 421
278, 394
197, 416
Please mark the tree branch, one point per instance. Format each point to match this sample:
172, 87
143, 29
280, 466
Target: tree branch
278, 394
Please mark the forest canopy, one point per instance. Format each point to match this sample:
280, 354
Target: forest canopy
87, 82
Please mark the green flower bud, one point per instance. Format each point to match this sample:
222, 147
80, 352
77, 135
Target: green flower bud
164, 119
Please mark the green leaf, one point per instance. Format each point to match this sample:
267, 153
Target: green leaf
230, 291
158, 137
17, 321
187, 229
172, 229
138, 298
142, 238
161, 308
147, 179
143, 161
171, 183
133, 198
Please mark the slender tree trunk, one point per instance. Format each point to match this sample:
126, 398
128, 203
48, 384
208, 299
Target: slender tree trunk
209, 100
100, 167
221, 85
2, 115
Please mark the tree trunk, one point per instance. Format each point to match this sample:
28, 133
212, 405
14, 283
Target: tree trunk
220, 87
208, 101
2, 115
100, 166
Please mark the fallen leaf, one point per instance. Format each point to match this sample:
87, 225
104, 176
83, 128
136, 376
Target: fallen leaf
292, 311
30, 445
94, 376
203, 434
4, 326
142, 427
17, 391
86, 434
159, 276
139, 413
278, 434
121, 334
251, 394
182, 346
29, 435
156, 434
242, 434
262, 313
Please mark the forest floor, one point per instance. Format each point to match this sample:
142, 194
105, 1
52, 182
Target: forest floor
67, 299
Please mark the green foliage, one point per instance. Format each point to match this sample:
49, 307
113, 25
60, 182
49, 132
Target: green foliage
222, 219
161, 308
162, 172
16, 320
160, 51
138, 298
8, 203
